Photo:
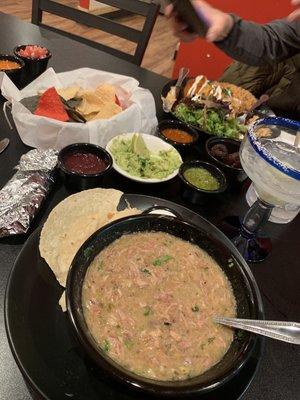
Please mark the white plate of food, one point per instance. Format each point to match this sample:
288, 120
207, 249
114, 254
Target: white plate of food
144, 158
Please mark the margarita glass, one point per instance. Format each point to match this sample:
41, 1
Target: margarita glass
273, 165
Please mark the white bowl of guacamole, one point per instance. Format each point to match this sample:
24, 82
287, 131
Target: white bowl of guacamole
144, 158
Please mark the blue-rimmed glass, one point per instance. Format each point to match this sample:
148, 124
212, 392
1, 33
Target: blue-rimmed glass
273, 164
267, 155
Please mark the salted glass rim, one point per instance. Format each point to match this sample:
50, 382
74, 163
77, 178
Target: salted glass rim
264, 153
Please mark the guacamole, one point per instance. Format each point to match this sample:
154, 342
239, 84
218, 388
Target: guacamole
133, 156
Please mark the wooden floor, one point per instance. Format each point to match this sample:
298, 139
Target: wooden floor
160, 51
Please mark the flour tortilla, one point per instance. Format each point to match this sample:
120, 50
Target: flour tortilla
112, 217
72, 222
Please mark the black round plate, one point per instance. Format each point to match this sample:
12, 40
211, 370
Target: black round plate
42, 342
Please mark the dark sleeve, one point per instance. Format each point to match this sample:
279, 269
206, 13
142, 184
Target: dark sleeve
256, 44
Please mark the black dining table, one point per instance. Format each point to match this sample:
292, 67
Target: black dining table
278, 277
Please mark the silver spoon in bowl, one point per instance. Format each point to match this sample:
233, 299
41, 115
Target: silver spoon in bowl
281, 330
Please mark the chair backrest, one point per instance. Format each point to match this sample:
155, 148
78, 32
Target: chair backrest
104, 23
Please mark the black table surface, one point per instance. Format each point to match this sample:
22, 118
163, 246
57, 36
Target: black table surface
278, 277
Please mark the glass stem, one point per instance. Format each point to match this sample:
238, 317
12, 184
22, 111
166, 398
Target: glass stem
257, 216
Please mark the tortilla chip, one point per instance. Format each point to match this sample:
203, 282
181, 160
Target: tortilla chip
107, 93
62, 301
30, 103
90, 103
51, 106
108, 110
68, 93
91, 116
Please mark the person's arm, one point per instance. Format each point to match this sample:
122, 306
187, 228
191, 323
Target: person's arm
247, 42
295, 15
256, 44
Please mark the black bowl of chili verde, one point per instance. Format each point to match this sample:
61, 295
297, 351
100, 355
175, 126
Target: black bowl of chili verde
206, 236
83, 166
201, 181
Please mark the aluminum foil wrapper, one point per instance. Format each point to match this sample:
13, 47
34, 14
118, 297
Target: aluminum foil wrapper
22, 196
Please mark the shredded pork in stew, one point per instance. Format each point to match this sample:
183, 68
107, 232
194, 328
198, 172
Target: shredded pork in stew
149, 299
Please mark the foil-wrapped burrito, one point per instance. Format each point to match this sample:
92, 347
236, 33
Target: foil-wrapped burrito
22, 196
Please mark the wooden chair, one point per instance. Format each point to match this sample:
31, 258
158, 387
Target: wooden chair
104, 22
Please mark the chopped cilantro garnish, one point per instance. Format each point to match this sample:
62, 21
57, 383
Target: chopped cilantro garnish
106, 345
87, 252
195, 308
240, 335
145, 271
128, 343
161, 260
148, 311
100, 265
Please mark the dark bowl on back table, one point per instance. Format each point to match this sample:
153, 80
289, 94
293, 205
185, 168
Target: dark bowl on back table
221, 249
175, 124
16, 75
234, 175
33, 67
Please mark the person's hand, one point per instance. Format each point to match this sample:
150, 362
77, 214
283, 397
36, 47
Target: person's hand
295, 15
219, 23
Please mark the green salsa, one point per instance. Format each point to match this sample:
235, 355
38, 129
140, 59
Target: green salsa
202, 179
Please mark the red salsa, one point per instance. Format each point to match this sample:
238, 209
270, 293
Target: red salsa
34, 52
84, 163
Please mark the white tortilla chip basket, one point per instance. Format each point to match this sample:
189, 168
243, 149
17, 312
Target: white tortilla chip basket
43, 133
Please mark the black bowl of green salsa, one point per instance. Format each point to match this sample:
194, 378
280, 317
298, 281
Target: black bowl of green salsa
201, 180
